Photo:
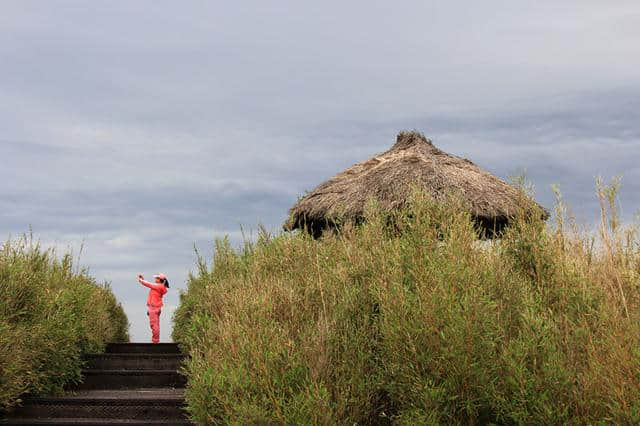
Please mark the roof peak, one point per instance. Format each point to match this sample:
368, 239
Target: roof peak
407, 139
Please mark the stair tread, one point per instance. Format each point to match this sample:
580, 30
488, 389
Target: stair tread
161, 344
111, 394
90, 421
136, 354
126, 371
147, 348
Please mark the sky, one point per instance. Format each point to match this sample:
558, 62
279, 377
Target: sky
141, 130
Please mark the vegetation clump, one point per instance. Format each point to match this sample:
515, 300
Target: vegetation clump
50, 315
425, 326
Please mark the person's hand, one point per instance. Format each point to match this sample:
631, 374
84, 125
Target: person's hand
140, 277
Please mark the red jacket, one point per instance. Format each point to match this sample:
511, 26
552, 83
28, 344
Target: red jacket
155, 293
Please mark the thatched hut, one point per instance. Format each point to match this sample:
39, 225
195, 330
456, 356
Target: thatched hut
390, 177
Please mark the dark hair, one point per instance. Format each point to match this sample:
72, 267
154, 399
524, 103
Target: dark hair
166, 283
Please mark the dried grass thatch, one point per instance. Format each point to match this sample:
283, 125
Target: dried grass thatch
390, 177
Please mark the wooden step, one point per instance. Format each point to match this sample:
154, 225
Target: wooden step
147, 348
134, 361
131, 379
141, 404
92, 422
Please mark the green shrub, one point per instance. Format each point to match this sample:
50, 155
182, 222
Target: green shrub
421, 325
50, 315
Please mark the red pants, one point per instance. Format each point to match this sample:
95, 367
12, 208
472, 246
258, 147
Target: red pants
154, 322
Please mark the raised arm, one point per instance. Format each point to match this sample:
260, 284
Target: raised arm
158, 287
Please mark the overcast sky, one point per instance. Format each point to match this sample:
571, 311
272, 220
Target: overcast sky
145, 127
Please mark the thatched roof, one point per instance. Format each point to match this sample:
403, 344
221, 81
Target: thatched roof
390, 177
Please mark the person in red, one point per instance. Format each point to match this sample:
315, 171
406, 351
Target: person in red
154, 302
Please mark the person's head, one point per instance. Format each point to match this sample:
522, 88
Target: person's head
161, 279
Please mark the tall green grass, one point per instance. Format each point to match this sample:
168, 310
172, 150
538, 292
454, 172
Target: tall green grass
50, 314
418, 323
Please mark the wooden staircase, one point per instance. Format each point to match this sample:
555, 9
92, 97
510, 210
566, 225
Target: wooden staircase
131, 383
